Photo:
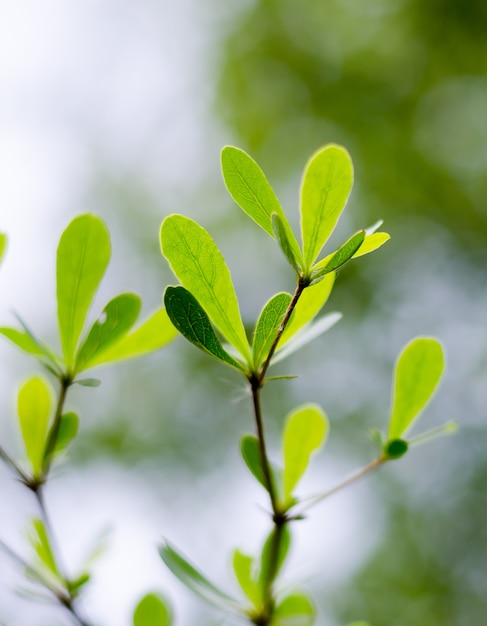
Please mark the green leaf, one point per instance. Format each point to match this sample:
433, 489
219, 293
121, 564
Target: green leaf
201, 269
3, 245
34, 405
117, 318
266, 574
193, 323
68, 429
295, 609
344, 253
39, 540
418, 372
243, 566
395, 448
306, 335
88, 382
287, 242
305, 431
29, 343
194, 580
75, 586
151, 335
371, 243
311, 301
268, 325
251, 190
153, 610
249, 447
82, 258
327, 182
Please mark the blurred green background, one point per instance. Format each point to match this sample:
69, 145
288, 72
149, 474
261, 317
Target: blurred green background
138, 110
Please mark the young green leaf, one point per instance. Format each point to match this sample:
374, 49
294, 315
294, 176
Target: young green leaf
151, 335
153, 610
270, 568
76, 585
39, 540
344, 253
327, 182
305, 431
268, 325
3, 245
194, 580
371, 243
295, 609
193, 323
22, 340
68, 429
311, 301
417, 374
201, 269
249, 448
34, 407
82, 258
118, 317
287, 242
243, 566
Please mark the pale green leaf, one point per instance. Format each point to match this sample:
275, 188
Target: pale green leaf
39, 540
371, 243
153, 610
310, 303
243, 566
296, 609
87, 382
193, 323
68, 429
327, 182
151, 335
287, 242
306, 335
82, 258
194, 580
268, 325
34, 405
201, 269
117, 318
29, 343
305, 431
3, 245
417, 374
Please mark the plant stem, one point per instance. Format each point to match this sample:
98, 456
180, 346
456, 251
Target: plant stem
312, 500
66, 382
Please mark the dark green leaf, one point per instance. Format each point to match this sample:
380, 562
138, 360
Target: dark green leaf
274, 553
193, 323
118, 317
251, 455
68, 429
194, 580
82, 258
395, 448
153, 610
268, 325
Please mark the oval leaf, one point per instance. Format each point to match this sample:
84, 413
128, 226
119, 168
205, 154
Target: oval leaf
201, 269
243, 566
305, 431
268, 325
118, 317
153, 610
280, 539
82, 258
249, 448
151, 335
34, 405
327, 182
418, 372
193, 323
68, 429
297, 609
39, 540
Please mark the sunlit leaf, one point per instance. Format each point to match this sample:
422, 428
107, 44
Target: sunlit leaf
153, 610
307, 335
344, 253
296, 609
371, 243
305, 431
287, 242
243, 566
35, 401
201, 269
194, 580
327, 182
3, 245
418, 371
271, 564
39, 540
193, 323
151, 335
310, 303
268, 325
68, 429
118, 317
29, 343
82, 258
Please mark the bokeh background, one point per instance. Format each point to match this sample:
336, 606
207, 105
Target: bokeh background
120, 108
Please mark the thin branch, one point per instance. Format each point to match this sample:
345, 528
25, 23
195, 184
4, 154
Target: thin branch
7, 459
